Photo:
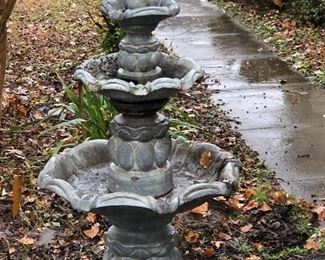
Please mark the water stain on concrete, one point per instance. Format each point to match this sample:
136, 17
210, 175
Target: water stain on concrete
282, 115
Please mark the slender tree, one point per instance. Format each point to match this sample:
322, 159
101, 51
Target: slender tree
6, 7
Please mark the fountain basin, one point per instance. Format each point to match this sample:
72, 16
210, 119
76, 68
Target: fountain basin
100, 75
128, 9
79, 175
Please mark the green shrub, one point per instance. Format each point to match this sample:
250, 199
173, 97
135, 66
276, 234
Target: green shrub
304, 10
93, 110
92, 114
112, 35
307, 10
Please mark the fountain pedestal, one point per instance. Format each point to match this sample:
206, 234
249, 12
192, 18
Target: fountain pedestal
140, 148
142, 238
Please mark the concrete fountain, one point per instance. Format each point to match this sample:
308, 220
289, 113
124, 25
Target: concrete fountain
139, 178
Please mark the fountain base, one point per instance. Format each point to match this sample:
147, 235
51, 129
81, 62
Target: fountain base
158, 243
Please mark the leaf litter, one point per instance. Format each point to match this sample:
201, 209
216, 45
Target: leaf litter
46, 44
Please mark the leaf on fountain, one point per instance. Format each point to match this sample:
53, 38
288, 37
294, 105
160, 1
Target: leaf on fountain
206, 159
201, 210
93, 231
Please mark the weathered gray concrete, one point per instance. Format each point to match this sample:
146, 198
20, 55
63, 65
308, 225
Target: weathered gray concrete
283, 122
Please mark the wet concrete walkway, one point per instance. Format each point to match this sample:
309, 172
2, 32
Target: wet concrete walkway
282, 115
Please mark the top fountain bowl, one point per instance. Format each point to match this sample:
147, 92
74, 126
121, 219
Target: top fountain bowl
130, 12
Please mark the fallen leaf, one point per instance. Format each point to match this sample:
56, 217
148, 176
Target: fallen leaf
246, 228
322, 231
320, 211
206, 159
259, 246
237, 200
278, 3
27, 240
224, 236
91, 217
191, 237
208, 252
37, 115
12, 250
16, 195
252, 204
253, 257
93, 231
249, 193
264, 207
201, 210
46, 237
311, 244
31, 198
217, 244
279, 196
220, 198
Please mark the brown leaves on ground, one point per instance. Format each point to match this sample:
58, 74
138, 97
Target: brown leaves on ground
93, 231
191, 236
201, 210
45, 38
312, 244
16, 195
27, 240
278, 3
245, 201
44, 43
91, 217
320, 211
246, 228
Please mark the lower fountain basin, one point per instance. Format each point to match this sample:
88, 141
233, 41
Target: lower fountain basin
79, 175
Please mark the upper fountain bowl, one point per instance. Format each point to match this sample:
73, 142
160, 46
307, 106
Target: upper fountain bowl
100, 75
125, 11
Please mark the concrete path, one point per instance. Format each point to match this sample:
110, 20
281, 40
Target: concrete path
282, 115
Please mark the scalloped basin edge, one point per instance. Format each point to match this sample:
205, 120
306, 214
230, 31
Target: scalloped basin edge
61, 171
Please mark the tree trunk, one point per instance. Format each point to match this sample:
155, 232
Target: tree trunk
6, 7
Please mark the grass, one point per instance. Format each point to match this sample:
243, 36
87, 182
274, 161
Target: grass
245, 249
285, 253
302, 220
261, 195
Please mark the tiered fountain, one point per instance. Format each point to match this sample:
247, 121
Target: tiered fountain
139, 178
